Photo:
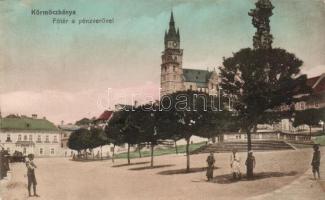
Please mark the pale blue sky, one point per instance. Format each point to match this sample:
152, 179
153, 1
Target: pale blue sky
39, 58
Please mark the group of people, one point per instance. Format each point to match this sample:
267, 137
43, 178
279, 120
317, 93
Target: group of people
4, 163
235, 161
250, 163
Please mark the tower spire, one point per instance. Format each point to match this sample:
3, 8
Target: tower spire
171, 17
172, 34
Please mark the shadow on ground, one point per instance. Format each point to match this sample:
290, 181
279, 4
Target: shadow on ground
227, 178
89, 160
124, 165
149, 167
183, 171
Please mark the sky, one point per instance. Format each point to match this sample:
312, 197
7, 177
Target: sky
70, 71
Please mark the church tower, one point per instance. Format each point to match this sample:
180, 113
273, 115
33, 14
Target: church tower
172, 56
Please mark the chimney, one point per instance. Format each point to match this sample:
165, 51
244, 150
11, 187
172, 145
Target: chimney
34, 116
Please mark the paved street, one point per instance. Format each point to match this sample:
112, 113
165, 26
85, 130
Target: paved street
280, 175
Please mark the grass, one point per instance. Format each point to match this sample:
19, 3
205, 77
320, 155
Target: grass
161, 151
320, 140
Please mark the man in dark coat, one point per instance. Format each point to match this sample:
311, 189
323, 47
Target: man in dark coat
210, 161
31, 174
316, 161
250, 164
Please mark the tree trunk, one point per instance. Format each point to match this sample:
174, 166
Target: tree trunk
310, 130
187, 154
101, 153
129, 162
176, 149
139, 150
249, 140
249, 168
151, 148
113, 153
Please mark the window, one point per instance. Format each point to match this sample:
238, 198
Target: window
30, 138
41, 151
25, 137
191, 87
52, 151
47, 138
19, 137
55, 139
8, 138
38, 138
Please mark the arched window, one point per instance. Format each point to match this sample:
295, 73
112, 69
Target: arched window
47, 138
30, 137
39, 138
25, 137
19, 137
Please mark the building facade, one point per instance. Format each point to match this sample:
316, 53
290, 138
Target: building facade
176, 78
315, 101
30, 135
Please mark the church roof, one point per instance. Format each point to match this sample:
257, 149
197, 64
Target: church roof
26, 124
196, 75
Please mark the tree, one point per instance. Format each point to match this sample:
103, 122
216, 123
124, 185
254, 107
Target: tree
310, 117
112, 131
188, 113
262, 79
84, 122
97, 139
122, 129
146, 119
77, 140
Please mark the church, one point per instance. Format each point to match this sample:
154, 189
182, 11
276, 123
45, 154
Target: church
176, 78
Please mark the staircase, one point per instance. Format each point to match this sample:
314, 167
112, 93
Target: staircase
267, 145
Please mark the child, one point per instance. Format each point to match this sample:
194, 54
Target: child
316, 161
31, 174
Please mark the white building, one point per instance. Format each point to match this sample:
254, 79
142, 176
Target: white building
30, 135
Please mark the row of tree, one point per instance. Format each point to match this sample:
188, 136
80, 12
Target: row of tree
177, 116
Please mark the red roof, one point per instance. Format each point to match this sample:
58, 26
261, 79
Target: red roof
106, 115
311, 81
317, 83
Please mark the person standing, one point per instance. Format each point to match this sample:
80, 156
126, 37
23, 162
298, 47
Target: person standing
315, 163
2, 165
235, 164
31, 174
250, 164
210, 161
